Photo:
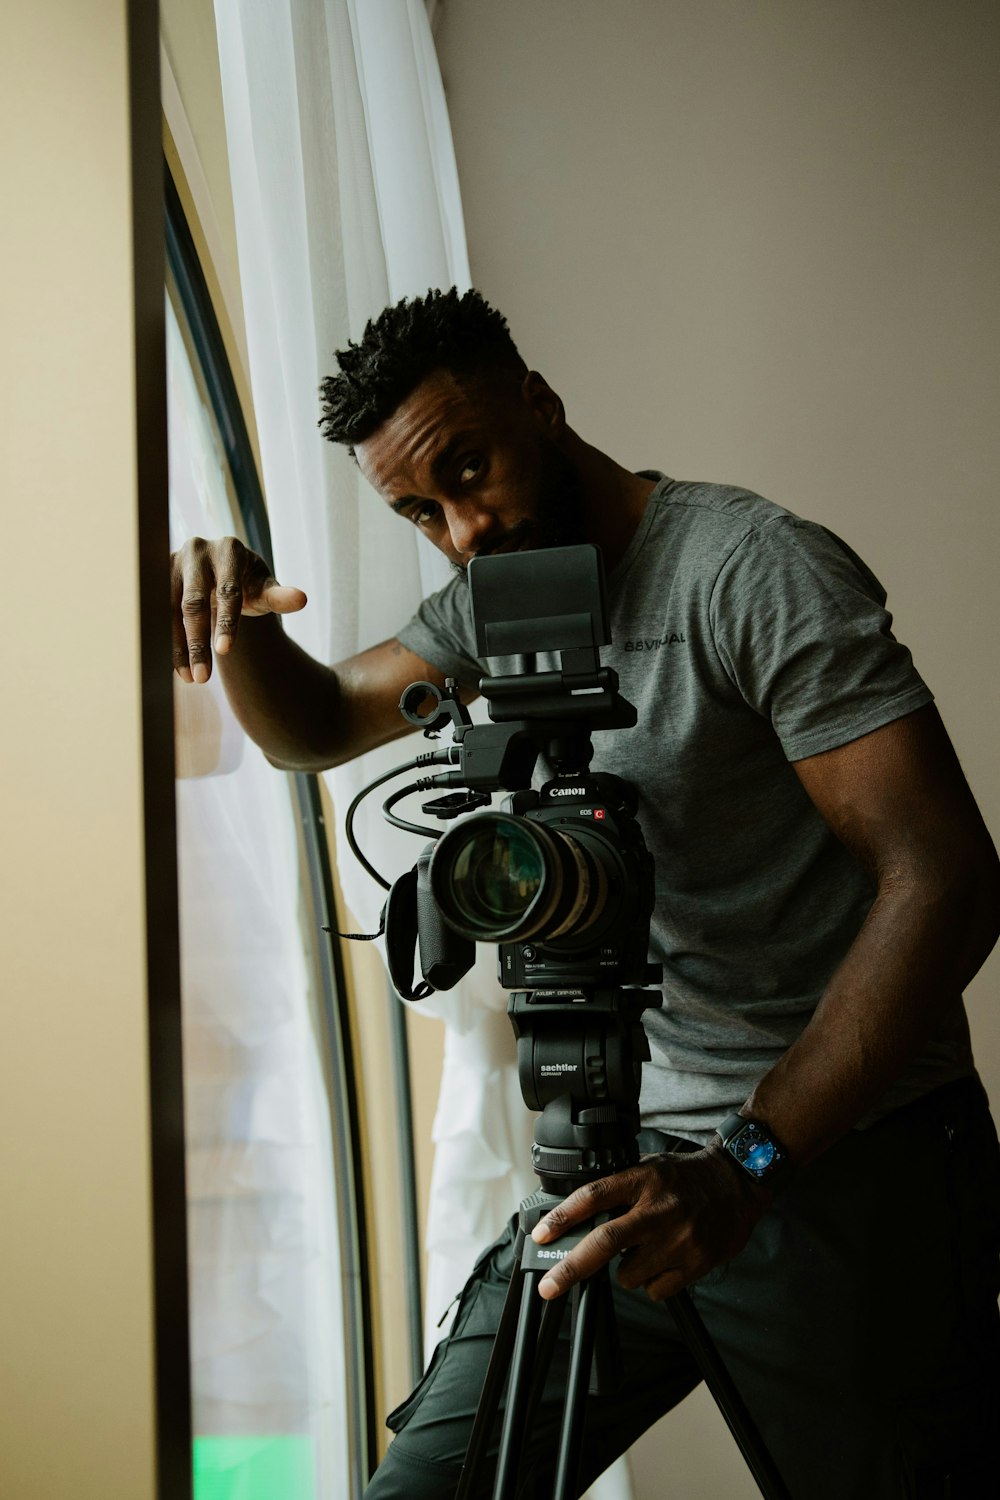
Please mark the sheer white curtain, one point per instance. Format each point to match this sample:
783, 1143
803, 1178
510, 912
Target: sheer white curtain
346, 199
267, 1328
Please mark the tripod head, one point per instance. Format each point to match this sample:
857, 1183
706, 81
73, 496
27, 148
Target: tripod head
579, 1060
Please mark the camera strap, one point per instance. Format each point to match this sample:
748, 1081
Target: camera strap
399, 918
398, 921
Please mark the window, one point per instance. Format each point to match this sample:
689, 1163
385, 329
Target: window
281, 1356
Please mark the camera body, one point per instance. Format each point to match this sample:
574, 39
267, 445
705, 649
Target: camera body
597, 812
613, 901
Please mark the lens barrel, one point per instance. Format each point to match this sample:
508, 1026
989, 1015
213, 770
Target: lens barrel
498, 878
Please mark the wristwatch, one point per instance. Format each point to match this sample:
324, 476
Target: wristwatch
755, 1149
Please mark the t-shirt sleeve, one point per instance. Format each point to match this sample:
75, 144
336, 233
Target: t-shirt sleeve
441, 633
801, 629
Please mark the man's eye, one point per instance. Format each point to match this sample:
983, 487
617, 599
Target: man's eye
469, 469
423, 513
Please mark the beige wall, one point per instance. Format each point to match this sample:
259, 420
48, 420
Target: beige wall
758, 243
77, 1396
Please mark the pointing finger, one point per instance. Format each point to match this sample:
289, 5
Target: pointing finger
282, 598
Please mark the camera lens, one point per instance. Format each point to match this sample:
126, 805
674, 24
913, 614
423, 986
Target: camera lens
494, 874
498, 878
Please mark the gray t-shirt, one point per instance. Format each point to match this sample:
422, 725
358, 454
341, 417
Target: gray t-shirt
747, 638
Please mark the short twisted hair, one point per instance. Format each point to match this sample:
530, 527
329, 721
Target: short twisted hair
458, 332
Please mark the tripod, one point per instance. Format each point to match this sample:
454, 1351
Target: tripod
579, 1137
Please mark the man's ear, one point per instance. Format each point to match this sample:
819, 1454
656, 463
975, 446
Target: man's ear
544, 403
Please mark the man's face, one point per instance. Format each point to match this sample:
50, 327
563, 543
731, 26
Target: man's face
477, 467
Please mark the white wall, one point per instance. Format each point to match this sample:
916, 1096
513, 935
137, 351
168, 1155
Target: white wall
758, 243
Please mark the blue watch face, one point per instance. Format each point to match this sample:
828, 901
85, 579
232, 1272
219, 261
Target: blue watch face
760, 1157
755, 1151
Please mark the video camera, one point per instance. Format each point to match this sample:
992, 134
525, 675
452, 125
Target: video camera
559, 876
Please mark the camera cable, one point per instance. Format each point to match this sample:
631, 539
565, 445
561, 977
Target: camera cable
425, 784
446, 757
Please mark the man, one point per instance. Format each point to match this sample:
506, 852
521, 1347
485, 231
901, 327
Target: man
825, 888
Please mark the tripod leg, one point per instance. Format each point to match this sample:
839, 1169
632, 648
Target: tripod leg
512, 1433
608, 1370
728, 1399
552, 1313
496, 1375
581, 1356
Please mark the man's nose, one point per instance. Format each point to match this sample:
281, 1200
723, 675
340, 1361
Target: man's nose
471, 528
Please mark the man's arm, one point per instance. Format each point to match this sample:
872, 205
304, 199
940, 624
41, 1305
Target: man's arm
304, 716
899, 802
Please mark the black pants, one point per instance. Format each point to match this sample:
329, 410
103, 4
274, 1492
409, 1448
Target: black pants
860, 1324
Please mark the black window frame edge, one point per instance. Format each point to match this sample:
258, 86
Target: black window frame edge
185, 266
172, 1467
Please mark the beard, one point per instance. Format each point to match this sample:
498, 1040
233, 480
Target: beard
557, 518
559, 509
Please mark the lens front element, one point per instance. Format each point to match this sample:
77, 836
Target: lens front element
498, 878
494, 876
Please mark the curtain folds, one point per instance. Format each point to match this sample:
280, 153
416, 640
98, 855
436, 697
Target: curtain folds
267, 1327
346, 199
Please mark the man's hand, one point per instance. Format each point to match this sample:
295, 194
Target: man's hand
226, 579
685, 1214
